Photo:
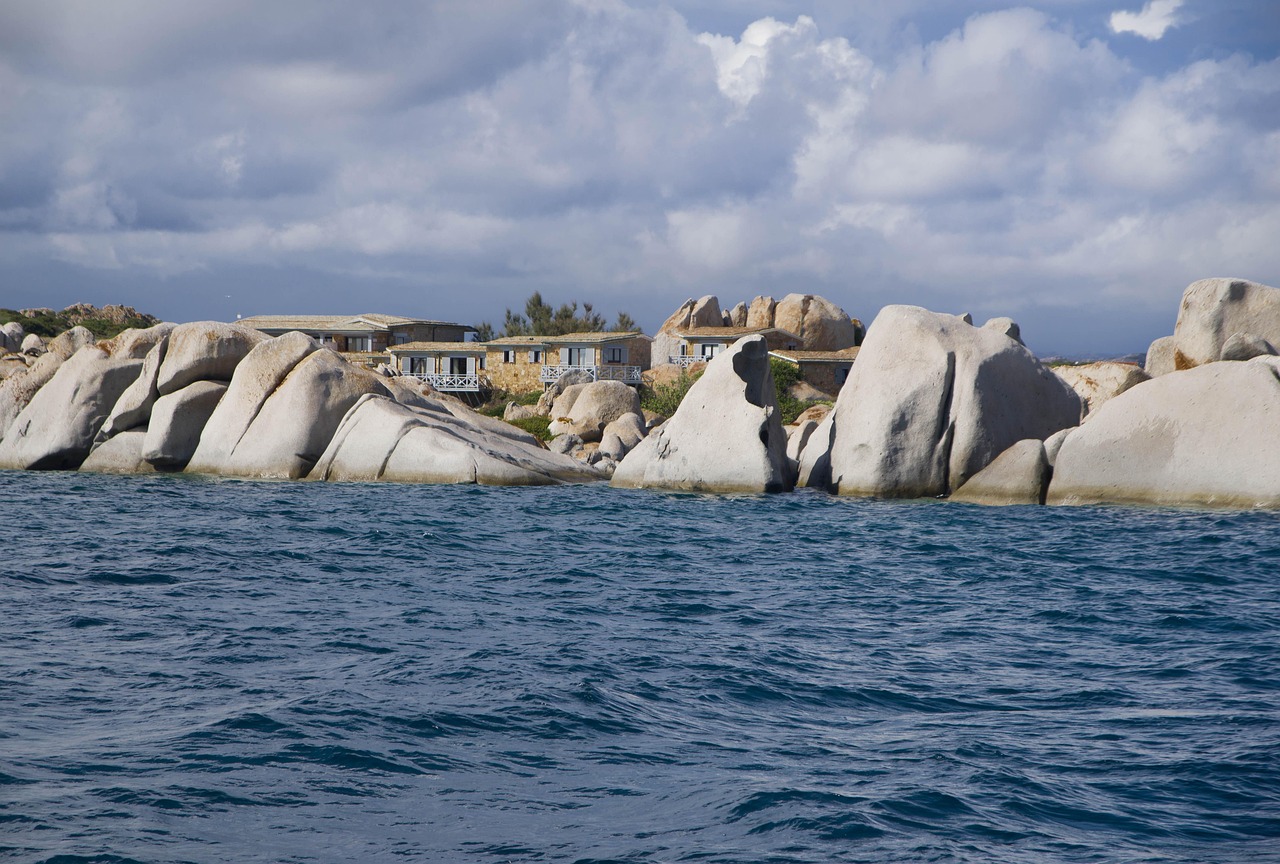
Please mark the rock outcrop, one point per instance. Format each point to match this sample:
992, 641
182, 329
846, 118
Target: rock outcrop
56, 429
204, 351
134, 405
380, 439
820, 324
1199, 436
726, 435
1160, 357
1214, 310
1095, 383
933, 400
1019, 475
177, 419
586, 409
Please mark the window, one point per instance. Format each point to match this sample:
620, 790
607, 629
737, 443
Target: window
579, 356
402, 338
457, 365
417, 365
615, 355
842, 374
710, 349
535, 355
359, 343
509, 356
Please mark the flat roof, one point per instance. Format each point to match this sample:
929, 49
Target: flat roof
366, 321
593, 337
844, 355
729, 332
437, 348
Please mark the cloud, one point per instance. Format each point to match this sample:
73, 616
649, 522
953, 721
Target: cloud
450, 162
1151, 23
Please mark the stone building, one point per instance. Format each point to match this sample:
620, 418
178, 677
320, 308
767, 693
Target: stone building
700, 344
825, 370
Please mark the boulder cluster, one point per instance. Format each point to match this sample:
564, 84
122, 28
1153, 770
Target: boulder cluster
933, 407
223, 399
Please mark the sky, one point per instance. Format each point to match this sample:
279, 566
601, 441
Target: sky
1072, 164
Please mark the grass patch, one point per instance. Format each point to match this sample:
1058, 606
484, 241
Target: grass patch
539, 427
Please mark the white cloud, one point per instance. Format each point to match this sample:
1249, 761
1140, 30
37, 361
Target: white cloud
1151, 23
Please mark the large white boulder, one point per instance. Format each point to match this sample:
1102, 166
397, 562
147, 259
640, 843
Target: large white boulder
761, 311
381, 439
815, 455
297, 421
135, 343
1160, 357
621, 436
820, 324
585, 409
68, 342
1019, 475
726, 436
121, 454
134, 405
11, 335
1214, 310
18, 389
57, 428
1095, 383
205, 351
1201, 436
254, 380
932, 400
32, 345
177, 419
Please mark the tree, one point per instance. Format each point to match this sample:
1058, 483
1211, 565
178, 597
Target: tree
542, 319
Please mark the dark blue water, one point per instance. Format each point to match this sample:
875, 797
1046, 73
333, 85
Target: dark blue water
229, 671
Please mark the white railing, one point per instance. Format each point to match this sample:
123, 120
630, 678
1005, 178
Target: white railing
454, 383
625, 374
684, 361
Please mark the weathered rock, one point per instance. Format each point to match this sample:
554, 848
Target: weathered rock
652, 420
380, 439
816, 413
1160, 357
1006, 326
1246, 346
492, 425
556, 388
516, 411
121, 454
18, 389
177, 419
68, 342
135, 344
1095, 383
1214, 309
11, 364
564, 444
621, 436
1053, 444
32, 345
932, 400
56, 429
205, 351
297, 421
803, 391
1019, 475
725, 437
738, 315
798, 436
760, 312
11, 335
133, 408
255, 379
706, 312
815, 457
585, 409
820, 324
1201, 436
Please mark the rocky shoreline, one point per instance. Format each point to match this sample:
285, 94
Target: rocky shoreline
933, 407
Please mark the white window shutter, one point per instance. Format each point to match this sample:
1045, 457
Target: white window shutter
564, 356
471, 365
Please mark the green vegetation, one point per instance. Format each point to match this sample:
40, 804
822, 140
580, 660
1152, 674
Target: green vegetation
541, 319
664, 399
46, 323
784, 376
496, 404
539, 427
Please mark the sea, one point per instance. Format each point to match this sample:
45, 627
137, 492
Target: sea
199, 670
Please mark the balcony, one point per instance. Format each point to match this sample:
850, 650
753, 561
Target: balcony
684, 361
448, 383
625, 374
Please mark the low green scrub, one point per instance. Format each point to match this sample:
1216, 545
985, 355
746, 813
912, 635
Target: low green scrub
539, 427
666, 398
46, 325
496, 404
784, 376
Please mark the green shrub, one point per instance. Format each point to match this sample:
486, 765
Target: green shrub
784, 376
539, 427
666, 398
496, 404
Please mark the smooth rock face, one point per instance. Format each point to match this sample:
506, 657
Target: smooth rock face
1246, 346
816, 413
738, 315
297, 421
1019, 475
32, 345
798, 436
18, 389
815, 456
177, 419
11, 335
205, 351
57, 428
133, 408
585, 409
135, 344
761, 311
69, 342
380, 439
726, 436
254, 380
1053, 444
1213, 310
621, 436
1160, 357
121, 454
1200, 436
706, 312
1007, 326
932, 400
820, 324
1095, 383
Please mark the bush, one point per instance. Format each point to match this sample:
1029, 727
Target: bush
784, 376
666, 398
496, 404
539, 427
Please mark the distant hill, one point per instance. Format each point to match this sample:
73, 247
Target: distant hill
104, 323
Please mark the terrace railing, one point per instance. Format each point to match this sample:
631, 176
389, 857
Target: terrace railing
625, 374
449, 383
